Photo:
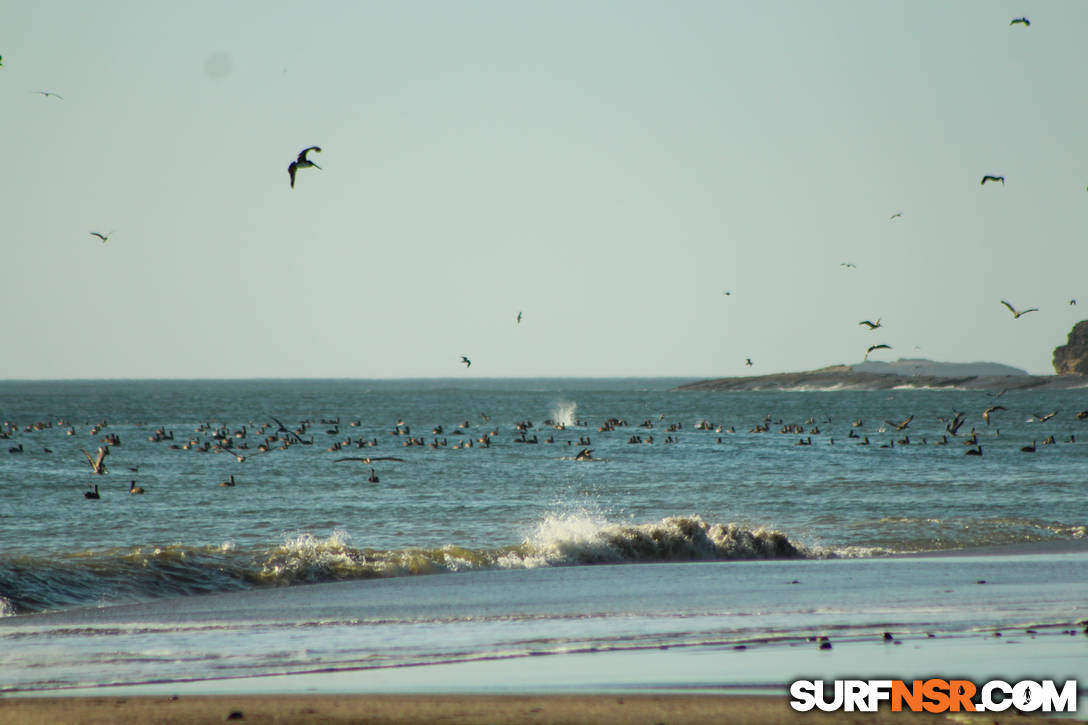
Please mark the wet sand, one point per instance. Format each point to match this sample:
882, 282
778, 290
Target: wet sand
452, 709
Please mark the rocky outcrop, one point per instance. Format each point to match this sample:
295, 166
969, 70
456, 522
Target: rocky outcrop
1072, 357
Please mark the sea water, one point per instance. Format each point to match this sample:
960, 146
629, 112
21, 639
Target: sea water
699, 520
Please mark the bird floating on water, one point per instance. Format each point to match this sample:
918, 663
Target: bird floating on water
876, 347
989, 177
302, 162
466, 361
1022, 21
1017, 314
92, 494
870, 324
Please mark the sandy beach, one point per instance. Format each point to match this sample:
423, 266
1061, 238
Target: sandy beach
453, 709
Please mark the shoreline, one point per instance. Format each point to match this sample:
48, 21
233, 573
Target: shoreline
632, 709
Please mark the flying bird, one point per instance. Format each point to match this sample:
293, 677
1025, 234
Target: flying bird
901, 425
1045, 417
876, 347
98, 464
870, 324
990, 411
1073, 301
466, 361
848, 265
1017, 314
104, 237
954, 425
48, 94
988, 177
748, 362
302, 163
519, 317
897, 214
1023, 21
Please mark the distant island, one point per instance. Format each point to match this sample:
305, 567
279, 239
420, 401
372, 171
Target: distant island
1070, 364
903, 373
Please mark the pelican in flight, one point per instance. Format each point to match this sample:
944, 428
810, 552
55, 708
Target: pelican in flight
49, 94
98, 464
876, 347
104, 237
1023, 21
901, 425
990, 411
1017, 314
466, 361
989, 177
302, 162
870, 324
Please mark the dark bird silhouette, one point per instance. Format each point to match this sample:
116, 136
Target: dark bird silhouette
134, 489
49, 94
870, 324
466, 361
748, 362
1028, 449
1073, 301
1017, 314
519, 317
953, 426
586, 454
92, 494
990, 177
228, 483
896, 215
990, 411
876, 347
104, 237
1022, 21
976, 451
373, 477
302, 162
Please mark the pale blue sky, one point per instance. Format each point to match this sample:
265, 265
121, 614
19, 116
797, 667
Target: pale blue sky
609, 169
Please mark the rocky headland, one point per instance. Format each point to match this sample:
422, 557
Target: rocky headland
1070, 364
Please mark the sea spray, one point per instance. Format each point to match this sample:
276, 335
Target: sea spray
564, 413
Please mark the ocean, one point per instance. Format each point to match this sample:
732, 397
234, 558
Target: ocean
697, 523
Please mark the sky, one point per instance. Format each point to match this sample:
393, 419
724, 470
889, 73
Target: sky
610, 170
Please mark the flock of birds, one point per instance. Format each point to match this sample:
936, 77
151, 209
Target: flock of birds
302, 161
850, 265
247, 441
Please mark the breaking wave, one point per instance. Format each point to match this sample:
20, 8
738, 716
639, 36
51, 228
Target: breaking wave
116, 576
